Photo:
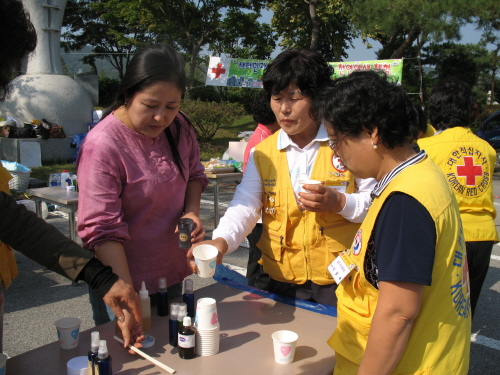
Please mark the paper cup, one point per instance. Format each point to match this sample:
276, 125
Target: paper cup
68, 331
3, 363
205, 257
307, 182
284, 346
206, 314
207, 342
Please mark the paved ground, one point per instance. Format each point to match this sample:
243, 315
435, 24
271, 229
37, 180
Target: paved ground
38, 297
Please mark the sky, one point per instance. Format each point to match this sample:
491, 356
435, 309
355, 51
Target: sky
359, 52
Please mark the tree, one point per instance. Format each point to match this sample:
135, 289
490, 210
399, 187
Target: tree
118, 27
228, 25
112, 37
463, 61
323, 26
397, 24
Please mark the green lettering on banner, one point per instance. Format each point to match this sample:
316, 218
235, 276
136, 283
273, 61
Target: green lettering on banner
248, 73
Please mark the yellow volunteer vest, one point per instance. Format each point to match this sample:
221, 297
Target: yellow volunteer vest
8, 267
439, 342
296, 245
468, 163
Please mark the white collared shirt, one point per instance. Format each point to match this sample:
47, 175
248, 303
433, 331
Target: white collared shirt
245, 208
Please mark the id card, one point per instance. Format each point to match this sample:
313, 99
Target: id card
341, 267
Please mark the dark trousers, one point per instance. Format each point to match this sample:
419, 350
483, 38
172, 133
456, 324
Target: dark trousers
308, 291
255, 273
478, 259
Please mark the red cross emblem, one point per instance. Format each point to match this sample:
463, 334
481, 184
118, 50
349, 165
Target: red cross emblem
218, 70
469, 170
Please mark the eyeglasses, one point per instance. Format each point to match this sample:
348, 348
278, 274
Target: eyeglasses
332, 143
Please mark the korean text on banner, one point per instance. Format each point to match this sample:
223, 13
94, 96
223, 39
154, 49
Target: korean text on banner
393, 68
225, 71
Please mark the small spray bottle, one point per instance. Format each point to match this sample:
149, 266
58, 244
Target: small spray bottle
180, 315
187, 340
162, 297
103, 360
188, 297
146, 307
173, 327
94, 348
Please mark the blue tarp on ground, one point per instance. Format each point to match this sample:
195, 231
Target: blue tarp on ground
233, 279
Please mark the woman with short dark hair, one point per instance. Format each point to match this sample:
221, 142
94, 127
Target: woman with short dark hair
403, 303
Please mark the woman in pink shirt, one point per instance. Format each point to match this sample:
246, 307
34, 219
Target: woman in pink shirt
139, 172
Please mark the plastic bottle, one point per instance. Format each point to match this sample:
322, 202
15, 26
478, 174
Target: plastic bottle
162, 297
187, 339
64, 178
54, 179
94, 349
188, 297
181, 315
185, 227
146, 307
103, 360
172, 324
74, 181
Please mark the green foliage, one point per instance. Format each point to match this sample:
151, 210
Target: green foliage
292, 22
56, 166
209, 117
108, 88
243, 96
205, 94
218, 145
397, 24
462, 61
244, 37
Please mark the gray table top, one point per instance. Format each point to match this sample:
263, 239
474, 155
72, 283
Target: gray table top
246, 348
55, 194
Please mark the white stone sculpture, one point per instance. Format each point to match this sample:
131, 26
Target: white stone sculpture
44, 92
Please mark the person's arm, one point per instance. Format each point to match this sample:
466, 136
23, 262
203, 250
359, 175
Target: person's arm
353, 206
112, 253
397, 308
43, 243
240, 217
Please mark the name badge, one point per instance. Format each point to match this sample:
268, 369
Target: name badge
341, 267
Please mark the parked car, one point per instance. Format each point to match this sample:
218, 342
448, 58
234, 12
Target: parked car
490, 132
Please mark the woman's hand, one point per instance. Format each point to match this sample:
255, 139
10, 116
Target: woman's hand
321, 198
198, 233
219, 243
126, 305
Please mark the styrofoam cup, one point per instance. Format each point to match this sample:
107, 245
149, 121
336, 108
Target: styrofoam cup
284, 346
307, 182
68, 331
205, 257
206, 314
3, 363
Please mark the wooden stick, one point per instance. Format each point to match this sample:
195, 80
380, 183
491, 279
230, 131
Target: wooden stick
144, 355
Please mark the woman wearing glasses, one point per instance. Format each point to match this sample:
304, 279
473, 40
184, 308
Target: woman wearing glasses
404, 305
302, 231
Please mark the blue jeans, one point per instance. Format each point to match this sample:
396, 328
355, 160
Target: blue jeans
102, 313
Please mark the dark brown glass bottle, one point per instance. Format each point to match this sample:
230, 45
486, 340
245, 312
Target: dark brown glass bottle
186, 340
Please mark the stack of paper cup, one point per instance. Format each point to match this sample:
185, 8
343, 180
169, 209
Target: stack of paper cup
207, 327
